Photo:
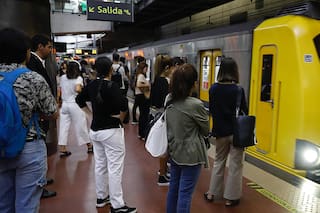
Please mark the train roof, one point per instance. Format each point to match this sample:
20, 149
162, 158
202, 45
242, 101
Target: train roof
229, 29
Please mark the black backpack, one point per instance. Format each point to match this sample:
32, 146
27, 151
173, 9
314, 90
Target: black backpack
117, 77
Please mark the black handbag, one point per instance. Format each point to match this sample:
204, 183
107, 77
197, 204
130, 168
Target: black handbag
243, 126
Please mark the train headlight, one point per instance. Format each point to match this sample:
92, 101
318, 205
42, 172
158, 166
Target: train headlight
307, 155
311, 155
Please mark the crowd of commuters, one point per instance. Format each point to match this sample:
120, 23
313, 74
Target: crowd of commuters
97, 107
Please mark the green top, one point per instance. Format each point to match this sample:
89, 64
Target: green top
187, 124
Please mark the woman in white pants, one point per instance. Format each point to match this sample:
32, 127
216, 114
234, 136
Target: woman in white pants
70, 113
109, 108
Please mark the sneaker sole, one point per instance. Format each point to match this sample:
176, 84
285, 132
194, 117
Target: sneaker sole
134, 211
102, 204
163, 184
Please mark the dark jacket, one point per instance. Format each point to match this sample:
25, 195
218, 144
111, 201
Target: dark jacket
35, 65
222, 107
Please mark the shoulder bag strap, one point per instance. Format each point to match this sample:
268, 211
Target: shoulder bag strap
238, 103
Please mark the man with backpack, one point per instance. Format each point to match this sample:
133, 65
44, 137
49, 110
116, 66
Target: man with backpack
118, 74
24, 95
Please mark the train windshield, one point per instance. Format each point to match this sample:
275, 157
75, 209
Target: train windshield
316, 41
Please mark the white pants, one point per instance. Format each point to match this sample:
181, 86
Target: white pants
232, 189
109, 153
72, 113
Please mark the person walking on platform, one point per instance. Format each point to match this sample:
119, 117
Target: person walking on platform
70, 114
222, 107
107, 134
187, 124
22, 178
41, 49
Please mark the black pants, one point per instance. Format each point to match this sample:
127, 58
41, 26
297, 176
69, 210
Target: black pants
144, 108
134, 109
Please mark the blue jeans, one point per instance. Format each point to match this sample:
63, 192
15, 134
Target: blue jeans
183, 180
22, 179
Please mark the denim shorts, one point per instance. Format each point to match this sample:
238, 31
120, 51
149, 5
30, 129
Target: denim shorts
22, 179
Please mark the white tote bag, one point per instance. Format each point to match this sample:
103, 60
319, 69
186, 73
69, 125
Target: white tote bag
157, 141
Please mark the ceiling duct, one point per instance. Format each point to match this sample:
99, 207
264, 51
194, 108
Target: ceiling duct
306, 8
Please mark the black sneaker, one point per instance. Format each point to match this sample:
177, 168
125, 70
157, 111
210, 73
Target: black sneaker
102, 202
124, 209
163, 180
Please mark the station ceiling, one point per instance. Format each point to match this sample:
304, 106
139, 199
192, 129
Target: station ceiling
151, 14
158, 12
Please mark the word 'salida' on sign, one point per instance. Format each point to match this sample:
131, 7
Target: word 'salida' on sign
109, 11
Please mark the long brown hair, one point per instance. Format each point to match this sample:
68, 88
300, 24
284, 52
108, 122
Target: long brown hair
140, 68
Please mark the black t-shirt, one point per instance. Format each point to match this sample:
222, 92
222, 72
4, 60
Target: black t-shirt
159, 91
112, 103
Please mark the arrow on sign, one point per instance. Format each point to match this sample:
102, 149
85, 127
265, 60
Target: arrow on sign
91, 9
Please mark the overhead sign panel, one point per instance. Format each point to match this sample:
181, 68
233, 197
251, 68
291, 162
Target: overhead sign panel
109, 11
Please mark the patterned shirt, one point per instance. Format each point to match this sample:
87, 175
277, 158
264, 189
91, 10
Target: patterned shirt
33, 95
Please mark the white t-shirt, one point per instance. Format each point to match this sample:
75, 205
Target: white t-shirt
68, 88
140, 78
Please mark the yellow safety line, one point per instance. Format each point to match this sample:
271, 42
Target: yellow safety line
272, 197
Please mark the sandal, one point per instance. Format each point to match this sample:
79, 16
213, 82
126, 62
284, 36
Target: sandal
64, 154
206, 197
230, 203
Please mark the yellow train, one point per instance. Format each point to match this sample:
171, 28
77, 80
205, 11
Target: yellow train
279, 68
284, 93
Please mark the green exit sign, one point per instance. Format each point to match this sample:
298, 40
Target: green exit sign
109, 11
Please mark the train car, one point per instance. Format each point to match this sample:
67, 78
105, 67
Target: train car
279, 69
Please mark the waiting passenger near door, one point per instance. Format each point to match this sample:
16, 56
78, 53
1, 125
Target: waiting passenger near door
187, 124
222, 106
142, 98
109, 108
159, 91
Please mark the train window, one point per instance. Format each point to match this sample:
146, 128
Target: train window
266, 78
218, 62
316, 41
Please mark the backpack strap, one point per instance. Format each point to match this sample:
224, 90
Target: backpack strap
118, 68
11, 77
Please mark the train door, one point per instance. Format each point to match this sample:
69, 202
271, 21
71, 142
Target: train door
265, 113
209, 66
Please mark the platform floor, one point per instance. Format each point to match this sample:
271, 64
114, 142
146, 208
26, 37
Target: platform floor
75, 185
